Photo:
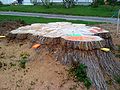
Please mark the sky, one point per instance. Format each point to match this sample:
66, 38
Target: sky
10, 1
28, 1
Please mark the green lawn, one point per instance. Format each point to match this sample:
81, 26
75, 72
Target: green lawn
30, 20
101, 11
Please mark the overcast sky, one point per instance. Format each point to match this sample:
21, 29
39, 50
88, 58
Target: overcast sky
28, 1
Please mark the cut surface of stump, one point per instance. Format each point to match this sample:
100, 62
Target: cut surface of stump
75, 43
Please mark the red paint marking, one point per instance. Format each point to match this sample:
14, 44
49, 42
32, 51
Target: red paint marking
93, 31
98, 29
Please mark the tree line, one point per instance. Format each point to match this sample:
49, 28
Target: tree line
71, 3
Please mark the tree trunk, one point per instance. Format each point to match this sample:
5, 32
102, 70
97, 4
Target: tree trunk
99, 63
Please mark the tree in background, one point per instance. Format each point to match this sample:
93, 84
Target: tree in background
101, 2
20, 1
46, 3
95, 3
34, 2
1, 3
68, 3
106, 2
112, 2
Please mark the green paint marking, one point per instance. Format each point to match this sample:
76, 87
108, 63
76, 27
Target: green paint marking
74, 34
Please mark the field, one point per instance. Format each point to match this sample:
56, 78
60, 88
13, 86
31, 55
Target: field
30, 20
101, 11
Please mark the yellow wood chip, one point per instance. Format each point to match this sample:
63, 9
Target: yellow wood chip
2, 36
105, 49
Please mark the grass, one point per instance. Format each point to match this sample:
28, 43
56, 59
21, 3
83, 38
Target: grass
79, 72
30, 20
23, 60
117, 54
101, 11
117, 79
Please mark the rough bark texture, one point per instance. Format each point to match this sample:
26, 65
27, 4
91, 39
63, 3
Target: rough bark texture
108, 40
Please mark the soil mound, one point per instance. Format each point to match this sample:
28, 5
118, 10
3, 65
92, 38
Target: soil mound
7, 26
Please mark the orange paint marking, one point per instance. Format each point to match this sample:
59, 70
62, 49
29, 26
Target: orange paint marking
36, 46
79, 38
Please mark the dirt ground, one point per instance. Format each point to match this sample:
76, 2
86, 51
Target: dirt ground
41, 72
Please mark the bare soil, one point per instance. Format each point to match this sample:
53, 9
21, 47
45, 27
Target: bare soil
41, 72
7, 26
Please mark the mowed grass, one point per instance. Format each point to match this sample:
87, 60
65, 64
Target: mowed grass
30, 20
101, 11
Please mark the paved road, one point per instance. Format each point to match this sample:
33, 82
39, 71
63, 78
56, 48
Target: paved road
67, 17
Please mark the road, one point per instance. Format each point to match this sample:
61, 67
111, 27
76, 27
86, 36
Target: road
67, 17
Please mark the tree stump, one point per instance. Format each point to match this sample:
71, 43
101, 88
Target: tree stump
75, 43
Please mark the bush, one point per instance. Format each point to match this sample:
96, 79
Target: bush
79, 72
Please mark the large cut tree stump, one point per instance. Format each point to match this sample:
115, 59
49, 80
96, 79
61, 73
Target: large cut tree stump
75, 43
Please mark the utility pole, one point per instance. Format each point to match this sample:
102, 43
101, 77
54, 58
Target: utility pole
118, 22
